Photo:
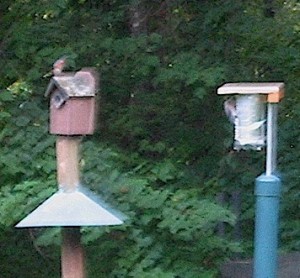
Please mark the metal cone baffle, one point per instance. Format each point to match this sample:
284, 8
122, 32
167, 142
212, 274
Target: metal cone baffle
71, 205
77, 208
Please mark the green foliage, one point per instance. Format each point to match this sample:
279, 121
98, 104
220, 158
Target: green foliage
19, 200
25, 136
161, 219
17, 250
161, 152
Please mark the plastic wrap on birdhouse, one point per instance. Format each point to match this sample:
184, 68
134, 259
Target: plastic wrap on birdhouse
246, 110
249, 122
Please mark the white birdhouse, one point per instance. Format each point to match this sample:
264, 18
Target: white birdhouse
246, 108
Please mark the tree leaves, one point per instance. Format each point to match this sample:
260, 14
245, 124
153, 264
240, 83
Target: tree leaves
161, 152
17, 201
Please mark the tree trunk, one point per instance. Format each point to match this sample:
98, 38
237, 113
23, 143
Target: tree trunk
138, 18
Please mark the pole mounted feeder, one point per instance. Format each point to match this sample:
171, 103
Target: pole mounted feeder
72, 115
255, 110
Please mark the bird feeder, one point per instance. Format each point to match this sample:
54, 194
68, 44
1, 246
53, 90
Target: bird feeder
248, 111
72, 103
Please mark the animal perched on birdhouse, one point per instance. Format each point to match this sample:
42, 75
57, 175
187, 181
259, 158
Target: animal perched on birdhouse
59, 66
230, 109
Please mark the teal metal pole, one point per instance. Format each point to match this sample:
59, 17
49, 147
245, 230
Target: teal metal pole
267, 191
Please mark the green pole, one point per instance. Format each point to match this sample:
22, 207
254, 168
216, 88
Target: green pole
267, 192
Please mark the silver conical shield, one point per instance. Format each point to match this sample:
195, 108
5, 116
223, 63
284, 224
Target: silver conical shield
77, 208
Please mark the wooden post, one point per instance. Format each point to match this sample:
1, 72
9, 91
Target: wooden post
72, 254
67, 149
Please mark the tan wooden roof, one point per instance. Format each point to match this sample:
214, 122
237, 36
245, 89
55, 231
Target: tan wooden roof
81, 84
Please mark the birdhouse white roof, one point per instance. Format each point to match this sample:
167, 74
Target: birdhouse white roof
81, 84
273, 90
251, 88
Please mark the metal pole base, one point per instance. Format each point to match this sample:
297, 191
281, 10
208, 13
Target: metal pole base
267, 193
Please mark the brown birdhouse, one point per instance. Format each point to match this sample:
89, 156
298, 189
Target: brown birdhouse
72, 103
